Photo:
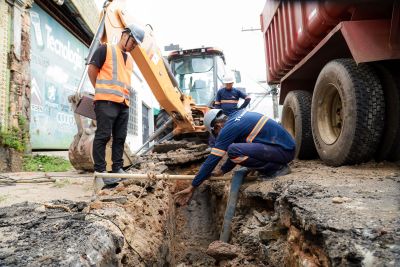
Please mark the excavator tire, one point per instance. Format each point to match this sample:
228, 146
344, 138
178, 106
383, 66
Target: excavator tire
296, 119
347, 112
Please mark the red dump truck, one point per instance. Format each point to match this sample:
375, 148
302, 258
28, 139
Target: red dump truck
337, 65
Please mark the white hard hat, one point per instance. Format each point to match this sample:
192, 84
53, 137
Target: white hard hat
136, 32
228, 78
210, 117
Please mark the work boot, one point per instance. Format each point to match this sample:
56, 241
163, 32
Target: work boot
110, 182
120, 170
251, 175
284, 170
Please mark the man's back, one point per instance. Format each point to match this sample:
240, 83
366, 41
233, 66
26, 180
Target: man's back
252, 127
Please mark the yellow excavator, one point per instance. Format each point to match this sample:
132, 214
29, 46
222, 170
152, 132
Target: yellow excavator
187, 117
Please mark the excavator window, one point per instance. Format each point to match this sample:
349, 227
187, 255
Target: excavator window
195, 77
188, 65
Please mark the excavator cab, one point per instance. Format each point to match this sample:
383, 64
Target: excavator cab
198, 72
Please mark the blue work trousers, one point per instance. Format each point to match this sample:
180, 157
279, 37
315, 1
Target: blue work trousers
261, 157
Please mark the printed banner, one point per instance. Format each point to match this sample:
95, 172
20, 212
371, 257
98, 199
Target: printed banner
57, 63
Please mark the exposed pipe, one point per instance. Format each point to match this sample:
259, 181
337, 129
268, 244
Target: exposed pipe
145, 176
237, 181
155, 134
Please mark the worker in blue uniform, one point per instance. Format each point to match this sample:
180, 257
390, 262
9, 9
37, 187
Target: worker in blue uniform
250, 140
228, 97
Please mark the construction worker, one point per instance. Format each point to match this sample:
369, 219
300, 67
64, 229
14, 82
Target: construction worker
110, 71
228, 97
250, 140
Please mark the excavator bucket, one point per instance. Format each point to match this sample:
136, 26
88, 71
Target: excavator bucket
80, 150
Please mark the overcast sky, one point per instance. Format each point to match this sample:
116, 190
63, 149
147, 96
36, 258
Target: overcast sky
219, 23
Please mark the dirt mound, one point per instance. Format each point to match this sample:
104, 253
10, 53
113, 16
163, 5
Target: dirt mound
171, 153
347, 216
316, 216
127, 225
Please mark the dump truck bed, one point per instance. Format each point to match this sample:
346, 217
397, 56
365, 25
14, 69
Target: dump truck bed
292, 29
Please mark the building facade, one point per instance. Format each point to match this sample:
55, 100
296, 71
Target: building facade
43, 45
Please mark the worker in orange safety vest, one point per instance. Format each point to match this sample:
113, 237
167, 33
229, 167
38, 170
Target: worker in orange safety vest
110, 71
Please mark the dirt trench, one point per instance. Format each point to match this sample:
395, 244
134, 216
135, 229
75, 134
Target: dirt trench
316, 216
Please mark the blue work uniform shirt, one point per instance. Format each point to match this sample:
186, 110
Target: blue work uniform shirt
227, 100
243, 127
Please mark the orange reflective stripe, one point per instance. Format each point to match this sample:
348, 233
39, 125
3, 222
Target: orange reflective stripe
229, 101
218, 152
217, 102
260, 124
239, 159
112, 82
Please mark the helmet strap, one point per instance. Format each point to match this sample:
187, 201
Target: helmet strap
129, 36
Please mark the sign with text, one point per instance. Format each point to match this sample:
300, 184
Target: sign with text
57, 62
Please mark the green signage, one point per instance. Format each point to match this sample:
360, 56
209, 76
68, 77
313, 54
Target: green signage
57, 62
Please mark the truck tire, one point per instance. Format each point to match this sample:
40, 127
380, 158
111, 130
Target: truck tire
162, 118
296, 119
391, 130
347, 113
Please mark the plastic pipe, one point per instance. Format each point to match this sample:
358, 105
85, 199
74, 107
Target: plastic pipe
237, 181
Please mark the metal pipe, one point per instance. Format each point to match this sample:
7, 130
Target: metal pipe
167, 137
155, 135
144, 176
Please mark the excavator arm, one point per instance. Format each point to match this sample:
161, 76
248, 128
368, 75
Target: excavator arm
154, 68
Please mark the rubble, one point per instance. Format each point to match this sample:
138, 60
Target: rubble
33, 236
340, 200
222, 251
289, 221
320, 228
171, 153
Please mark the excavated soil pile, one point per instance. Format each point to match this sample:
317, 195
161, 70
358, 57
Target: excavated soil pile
127, 225
171, 153
316, 216
322, 216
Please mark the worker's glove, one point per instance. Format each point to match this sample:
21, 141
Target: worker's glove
183, 197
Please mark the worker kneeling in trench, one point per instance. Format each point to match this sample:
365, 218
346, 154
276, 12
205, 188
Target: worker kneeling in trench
251, 140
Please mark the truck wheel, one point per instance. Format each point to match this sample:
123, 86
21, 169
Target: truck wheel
296, 119
391, 130
347, 112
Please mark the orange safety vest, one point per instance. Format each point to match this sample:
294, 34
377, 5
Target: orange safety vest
114, 79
